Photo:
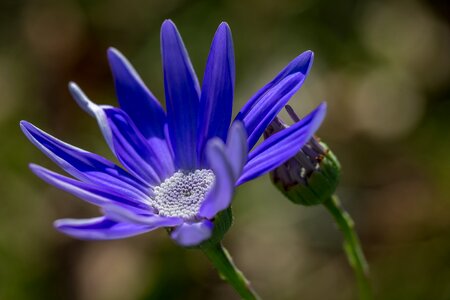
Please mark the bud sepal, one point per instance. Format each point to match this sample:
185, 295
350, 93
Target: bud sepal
317, 186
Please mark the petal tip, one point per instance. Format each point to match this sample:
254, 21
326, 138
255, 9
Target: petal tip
28, 129
169, 35
80, 98
190, 235
224, 26
112, 50
309, 52
322, 108
310, 55
57, 224
291, 81
323, 104
238, 125
34, 167
61, 223
72, 86
215, 144
24, 124
304, 62
113, 53
39, 171
75, 91
224, 33
168, 24
119, 65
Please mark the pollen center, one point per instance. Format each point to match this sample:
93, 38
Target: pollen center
182, 194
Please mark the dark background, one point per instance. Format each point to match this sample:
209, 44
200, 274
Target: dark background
382, 66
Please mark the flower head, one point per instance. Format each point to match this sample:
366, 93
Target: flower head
180, 166
311, 176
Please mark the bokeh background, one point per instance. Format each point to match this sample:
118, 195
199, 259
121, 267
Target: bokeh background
382, 66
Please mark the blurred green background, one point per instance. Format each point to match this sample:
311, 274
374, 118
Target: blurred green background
382, 66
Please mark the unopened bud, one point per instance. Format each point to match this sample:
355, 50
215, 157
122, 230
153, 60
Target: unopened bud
312, 175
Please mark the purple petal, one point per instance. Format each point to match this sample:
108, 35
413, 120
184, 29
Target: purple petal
150, 164
83, 101
100, 228
132, 149
182, 97
192, 234
81, 164
236, 148
282, 146
121, 214
97, 195
269, 105
216, 100
135, 98
221, 194
301, 64
140, 104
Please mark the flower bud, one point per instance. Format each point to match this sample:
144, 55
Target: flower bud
312, 175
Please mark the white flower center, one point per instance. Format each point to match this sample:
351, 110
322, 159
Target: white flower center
182, 194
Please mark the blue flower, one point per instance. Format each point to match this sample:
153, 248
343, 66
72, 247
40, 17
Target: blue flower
180, 166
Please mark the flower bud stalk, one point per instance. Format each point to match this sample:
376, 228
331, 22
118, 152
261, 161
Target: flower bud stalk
311, 178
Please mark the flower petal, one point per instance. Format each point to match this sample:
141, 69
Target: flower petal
269, 105
86, 166
236, 148
121, 214
94, 110
221, 194
192, 234
216, 100
97, 195
132, 149
135, 98
100, 228
282, 146
140, 104
182, 97
150, 164
301, 64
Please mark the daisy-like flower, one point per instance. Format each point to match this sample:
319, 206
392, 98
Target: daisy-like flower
179, 167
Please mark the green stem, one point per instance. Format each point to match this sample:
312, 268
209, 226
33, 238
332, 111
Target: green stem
352, 246
223, 262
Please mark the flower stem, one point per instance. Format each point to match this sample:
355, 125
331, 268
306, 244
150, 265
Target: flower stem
352, 246
223, 262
